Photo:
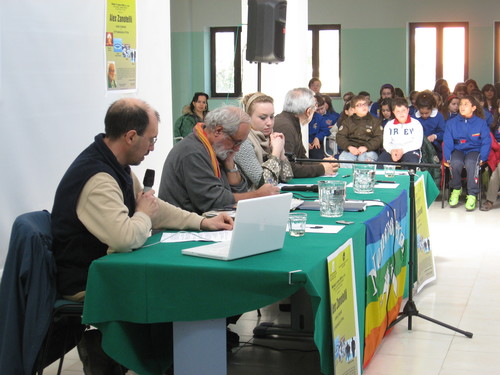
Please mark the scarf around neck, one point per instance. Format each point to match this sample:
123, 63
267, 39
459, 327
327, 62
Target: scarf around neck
199, 132
260, 143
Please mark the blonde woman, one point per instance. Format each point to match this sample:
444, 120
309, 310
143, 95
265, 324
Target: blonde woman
261, 157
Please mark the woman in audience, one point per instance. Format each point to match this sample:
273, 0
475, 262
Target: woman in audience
467, 143
261, 157
191, 115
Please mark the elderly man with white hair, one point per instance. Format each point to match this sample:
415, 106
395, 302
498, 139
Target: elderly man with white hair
293, 122
200, 174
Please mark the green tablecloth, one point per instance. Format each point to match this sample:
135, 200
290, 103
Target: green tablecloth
128, 294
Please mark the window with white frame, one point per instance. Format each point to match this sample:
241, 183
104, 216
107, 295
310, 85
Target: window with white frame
438, 50
225, 61
324, 57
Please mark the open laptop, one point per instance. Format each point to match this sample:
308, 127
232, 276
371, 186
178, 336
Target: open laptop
259, 227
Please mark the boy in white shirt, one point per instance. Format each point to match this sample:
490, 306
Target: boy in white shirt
403, 136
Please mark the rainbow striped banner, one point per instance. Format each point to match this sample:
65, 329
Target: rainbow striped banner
386, 262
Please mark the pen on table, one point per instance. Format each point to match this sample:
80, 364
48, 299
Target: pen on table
384, 182
315, 227
346, 175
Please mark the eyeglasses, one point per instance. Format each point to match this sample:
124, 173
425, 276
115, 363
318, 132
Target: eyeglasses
359, 105
236, 143
153, 140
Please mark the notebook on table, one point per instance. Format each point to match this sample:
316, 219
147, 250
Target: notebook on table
259, 227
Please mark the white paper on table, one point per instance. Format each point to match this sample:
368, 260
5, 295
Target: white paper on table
330, 175
380, 186
320, 228
215, 236
396, 172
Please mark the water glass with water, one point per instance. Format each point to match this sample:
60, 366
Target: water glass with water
363, 178
297, 224
389, 170
331, 198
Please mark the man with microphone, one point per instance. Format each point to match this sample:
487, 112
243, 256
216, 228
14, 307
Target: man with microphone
100, 206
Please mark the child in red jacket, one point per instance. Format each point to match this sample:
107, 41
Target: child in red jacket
494, 164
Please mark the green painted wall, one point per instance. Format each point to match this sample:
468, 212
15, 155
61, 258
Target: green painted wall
367, 63
374, 48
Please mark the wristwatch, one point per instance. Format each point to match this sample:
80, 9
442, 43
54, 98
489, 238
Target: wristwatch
235, 169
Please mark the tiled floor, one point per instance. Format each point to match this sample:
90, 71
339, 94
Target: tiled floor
466, 295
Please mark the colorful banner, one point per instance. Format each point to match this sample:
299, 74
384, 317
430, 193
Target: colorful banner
344, 310
426, 268
121, 45
386, 263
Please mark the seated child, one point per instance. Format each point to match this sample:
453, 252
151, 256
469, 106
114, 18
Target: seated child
402, 136
494, 164
467, 143
318, 129
431, 119
360, 135
450, 107
330, 117
386, 114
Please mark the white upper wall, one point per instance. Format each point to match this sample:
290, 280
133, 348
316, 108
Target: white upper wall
53, 95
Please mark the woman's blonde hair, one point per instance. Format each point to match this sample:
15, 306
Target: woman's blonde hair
257, 97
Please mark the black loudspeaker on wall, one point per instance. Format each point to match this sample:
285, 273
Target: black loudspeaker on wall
266, 31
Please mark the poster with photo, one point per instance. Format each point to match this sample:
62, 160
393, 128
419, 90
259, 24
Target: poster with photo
426, 268
345, 333
120, 43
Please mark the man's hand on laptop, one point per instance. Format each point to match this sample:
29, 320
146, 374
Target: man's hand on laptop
220, 222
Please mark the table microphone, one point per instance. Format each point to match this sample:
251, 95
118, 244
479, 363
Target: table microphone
149, 180
300, 187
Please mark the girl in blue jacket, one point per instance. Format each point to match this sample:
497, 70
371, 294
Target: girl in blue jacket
467, 143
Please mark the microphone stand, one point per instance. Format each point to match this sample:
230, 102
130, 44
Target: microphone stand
410, 309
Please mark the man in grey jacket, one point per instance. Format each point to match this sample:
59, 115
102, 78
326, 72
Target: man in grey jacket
199, 173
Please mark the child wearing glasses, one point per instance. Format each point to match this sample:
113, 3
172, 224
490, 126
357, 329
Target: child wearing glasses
360, 135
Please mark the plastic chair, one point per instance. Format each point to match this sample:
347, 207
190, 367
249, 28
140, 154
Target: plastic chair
30, 313
329, 144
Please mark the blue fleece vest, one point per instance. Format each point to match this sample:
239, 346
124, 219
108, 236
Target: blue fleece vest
74, 247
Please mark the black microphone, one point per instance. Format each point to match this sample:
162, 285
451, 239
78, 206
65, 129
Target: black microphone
149, 179
302, 187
